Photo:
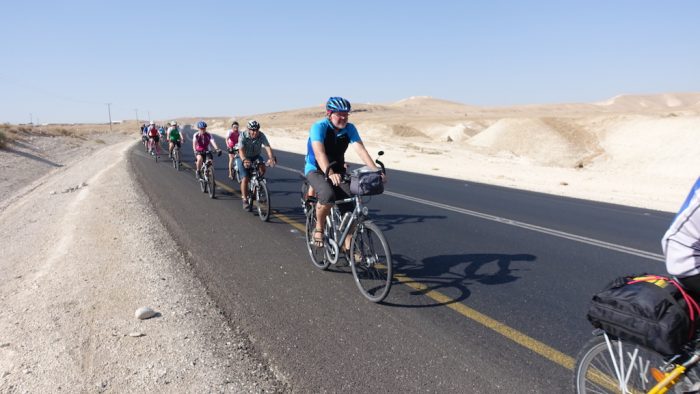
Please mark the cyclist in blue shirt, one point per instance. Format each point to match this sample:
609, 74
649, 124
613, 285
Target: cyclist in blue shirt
329, 138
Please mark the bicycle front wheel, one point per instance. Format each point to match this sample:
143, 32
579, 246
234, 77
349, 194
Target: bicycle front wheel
263, 202
202, 184
370, 260
212, 184
608, 365
317, 254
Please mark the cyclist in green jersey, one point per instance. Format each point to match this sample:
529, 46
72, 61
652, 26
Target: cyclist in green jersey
174, 137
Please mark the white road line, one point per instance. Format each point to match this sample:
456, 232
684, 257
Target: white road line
544, 230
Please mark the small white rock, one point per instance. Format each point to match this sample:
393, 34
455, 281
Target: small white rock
137, 334
144, 313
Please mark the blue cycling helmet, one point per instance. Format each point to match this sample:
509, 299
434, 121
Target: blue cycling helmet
337, 104
201, 124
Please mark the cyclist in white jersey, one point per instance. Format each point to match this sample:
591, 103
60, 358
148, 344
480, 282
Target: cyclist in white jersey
681, 243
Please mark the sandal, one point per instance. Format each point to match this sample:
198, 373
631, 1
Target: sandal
318, 241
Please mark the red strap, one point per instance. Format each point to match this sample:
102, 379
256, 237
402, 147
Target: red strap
693, 308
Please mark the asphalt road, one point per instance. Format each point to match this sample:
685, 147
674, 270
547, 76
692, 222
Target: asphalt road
492, 284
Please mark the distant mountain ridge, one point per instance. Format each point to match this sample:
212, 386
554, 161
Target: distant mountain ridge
665, 101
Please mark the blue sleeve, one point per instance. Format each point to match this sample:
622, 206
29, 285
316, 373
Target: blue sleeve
352, 133
317, 132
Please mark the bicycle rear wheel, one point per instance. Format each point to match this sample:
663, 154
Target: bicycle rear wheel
608, 365
317, 254
211, 183
263, 202
370, 260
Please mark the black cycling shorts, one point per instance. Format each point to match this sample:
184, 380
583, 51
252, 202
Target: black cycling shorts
327, 193
205, 154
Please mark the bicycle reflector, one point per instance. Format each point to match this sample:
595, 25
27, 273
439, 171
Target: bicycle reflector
658, 375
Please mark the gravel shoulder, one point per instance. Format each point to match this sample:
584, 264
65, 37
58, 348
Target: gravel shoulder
82, 252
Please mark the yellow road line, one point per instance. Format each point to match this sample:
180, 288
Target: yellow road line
284, 218
514, 335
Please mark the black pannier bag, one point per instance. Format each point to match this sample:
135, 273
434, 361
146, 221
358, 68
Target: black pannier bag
651, 311
366, 183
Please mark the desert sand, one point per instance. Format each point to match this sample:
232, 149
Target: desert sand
639, 151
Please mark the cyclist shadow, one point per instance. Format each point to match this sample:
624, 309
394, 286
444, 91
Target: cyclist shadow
457, 271
388, 222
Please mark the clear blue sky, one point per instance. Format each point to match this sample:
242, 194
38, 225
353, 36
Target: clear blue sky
63, 60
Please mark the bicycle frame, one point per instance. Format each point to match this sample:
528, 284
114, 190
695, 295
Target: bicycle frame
341, 227
255, 177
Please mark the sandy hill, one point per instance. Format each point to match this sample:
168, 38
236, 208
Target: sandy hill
658, 102
635, 149
574, 135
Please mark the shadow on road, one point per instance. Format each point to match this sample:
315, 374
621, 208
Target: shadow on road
448, 273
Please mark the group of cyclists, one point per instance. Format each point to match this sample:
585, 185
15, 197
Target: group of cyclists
329, 138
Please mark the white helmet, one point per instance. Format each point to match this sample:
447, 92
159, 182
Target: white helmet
173, 123
152, 122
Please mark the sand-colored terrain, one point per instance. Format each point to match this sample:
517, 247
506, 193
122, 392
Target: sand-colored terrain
632, 150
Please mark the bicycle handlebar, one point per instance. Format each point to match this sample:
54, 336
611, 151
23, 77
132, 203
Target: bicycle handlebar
346, 177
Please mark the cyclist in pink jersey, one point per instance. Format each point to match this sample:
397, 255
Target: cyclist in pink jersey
154, 136
231, 142
200, 145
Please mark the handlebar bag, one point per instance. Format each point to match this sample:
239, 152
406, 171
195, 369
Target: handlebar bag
366, 183
651, 311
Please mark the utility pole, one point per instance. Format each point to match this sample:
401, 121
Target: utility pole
109, 111
31, 119
149, 116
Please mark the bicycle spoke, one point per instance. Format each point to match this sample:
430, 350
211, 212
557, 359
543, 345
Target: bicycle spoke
607, 365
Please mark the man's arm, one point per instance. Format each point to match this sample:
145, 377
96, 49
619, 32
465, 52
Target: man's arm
270, 157
364, 155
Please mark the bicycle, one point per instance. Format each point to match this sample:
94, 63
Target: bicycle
175, 157
609, 364
369, 254
233, 169
206, 175
258, 192
152, 148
